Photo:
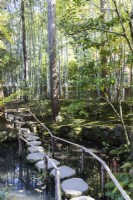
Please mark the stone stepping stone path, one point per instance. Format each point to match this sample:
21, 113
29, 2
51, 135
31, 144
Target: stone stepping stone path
40, 166
65, 172
71, 186
28, 134
10, 117
34, 143
32, 138
34, 157
82, 198
33, 150
74, 187
25, 130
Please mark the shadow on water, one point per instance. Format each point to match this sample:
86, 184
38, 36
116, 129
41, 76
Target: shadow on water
85, 165
19, 180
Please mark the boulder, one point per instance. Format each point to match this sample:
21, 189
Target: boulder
8, 135
100, 134
66, 131
12, 136
3, 136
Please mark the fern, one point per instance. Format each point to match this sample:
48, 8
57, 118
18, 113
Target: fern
131, 186
122, 149
108, 193
109, 185
120, 198
126, 182
77, 108
126, 165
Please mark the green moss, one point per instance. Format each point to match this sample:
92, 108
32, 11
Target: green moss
78, 114
78, 130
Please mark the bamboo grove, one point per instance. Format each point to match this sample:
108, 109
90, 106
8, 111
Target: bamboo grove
91, 53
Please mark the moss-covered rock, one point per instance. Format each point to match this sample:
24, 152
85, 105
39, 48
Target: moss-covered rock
66, 131
12, 136
100, 134
7, 130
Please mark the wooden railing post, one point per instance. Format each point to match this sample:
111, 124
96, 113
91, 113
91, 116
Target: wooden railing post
46, 168
57, 185
17, 108
19, 140
43, 129
52, 146
20, 153
20, 169
14, 122
102, 179
106, 168
82, 161
6, 114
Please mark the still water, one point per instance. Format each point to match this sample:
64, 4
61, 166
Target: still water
21, 181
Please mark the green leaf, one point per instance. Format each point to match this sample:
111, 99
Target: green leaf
126, 165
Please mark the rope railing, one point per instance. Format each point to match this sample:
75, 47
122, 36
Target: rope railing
103, 164
46, 159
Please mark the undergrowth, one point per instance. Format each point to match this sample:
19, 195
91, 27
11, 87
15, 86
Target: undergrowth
124, 175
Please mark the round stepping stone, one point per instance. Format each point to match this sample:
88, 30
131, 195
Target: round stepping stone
34, 157
40, 166
34, 143
82, 198
32, 137
33, 150
19, 122
27, 134
24, 130
65, 172
74, 187
10, 117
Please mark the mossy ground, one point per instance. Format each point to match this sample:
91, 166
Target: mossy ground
81, 112
77, 113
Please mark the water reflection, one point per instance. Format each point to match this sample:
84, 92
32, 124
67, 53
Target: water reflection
19, 180
22, 181
85, 165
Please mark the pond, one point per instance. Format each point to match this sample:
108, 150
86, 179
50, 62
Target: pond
85, 165
18, 180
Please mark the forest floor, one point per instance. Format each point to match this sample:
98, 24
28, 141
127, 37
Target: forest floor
77, 114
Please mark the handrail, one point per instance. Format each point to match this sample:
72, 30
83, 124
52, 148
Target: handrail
117, 184
39, 151
57, 170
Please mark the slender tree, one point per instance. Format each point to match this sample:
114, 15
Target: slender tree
25, 56
5, 37
52, 59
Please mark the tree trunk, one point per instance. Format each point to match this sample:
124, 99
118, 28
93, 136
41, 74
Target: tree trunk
66, 70
1, 91
52, 59
103, 56
25, 57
